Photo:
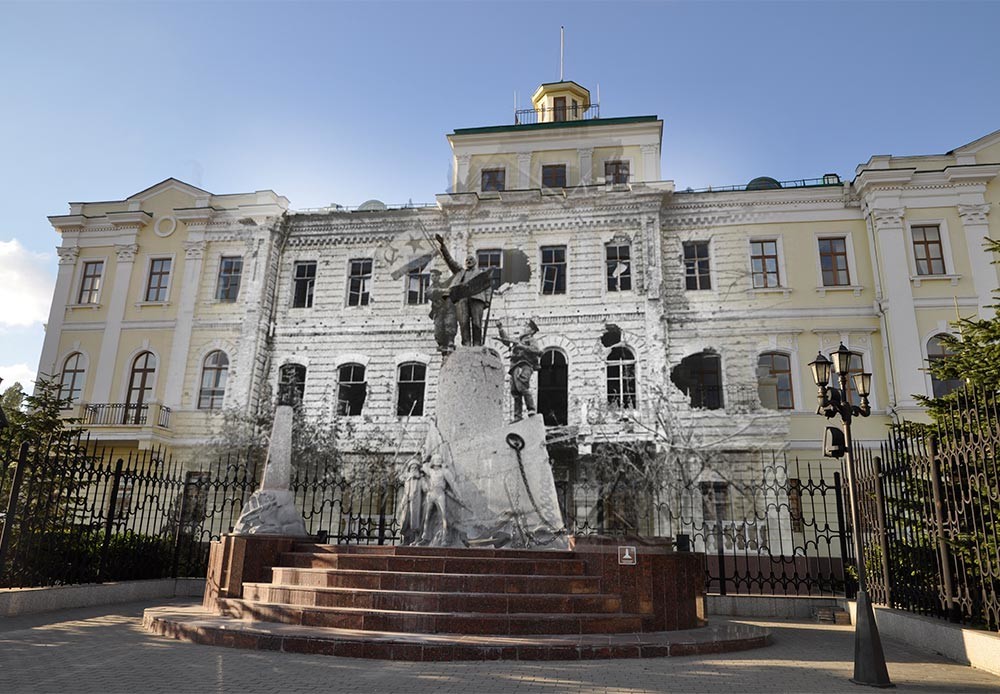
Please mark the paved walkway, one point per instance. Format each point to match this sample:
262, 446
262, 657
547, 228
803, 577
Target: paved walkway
105, 650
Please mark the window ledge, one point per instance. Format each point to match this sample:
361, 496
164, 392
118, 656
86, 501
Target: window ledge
143, 304
784, 291
917, 280
856, 288
73, 307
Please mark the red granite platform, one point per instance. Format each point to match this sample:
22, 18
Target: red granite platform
198, 626
423, 603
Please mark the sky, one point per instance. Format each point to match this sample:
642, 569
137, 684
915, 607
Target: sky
342, 102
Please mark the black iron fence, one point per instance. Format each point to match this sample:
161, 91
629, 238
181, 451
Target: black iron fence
930, 515
78, 515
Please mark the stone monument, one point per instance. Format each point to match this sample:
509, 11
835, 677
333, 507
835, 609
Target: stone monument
489, 483
271, 510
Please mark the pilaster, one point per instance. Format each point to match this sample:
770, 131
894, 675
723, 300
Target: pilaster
650, 162
462, 163
586, 156
194, 252
57, 312
903, 335
119, 289
524, 171
984, 275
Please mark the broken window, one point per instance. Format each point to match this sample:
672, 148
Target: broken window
553, 393
292, 380
417, 282
491, 259
715, 501
618, 262
699, 376
303, 283
553, 269
359, 282
351, 389
774, 381
621, 377
410, 395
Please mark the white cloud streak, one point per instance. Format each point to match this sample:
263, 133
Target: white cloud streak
17, 373
26, 285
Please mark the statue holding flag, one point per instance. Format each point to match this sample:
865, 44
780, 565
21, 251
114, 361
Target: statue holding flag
471, 290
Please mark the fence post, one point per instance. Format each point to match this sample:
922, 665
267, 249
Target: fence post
947, 583
110, 520
838, 489
8, 522
883, 539
175, 562
720, 550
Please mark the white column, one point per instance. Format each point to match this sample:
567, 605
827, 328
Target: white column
984, 276
106, 361
586, 157
462, 163
650, 162
57, 312
524, 170
903, 337
194, 251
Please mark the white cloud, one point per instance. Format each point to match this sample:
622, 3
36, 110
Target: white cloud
17, 373
25, 285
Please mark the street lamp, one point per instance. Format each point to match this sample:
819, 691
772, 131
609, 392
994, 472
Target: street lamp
869, 660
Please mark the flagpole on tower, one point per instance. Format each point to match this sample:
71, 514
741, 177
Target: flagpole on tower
561, 47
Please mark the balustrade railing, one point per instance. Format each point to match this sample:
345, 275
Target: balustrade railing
530, 116
125, 414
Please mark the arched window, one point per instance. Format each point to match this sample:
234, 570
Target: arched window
410, 389
699, 376
351, 389
71, 381
621, 377
140, 387
937, 349
553, 381
774, 381
214, 373
292, 380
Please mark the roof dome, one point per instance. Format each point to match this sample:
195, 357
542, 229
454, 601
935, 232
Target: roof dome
763, 183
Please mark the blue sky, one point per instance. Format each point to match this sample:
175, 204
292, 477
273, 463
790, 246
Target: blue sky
342, 102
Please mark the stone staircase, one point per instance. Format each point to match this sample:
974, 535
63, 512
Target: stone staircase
424, 603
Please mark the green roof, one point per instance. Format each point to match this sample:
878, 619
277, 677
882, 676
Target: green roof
559, 124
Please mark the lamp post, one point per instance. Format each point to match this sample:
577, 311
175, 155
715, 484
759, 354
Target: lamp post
869, 660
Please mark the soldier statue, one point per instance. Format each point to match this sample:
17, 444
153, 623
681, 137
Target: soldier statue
524, 359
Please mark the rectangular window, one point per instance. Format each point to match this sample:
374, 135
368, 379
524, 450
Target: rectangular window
491, 259
228, 286
359, 278
616, 172
559, 106
697, 273
774, 381
90, 286
927, 250
554, 176
494, 179
618, 262
159, 279
303, 283
833, 262
417, 283
410, 384
553, 269
764, 264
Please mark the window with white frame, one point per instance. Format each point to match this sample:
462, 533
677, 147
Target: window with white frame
417, 283
303, 283
621, 377
292, 380
491, 259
